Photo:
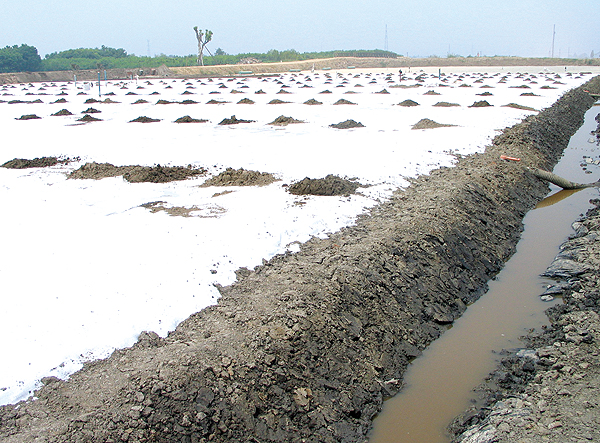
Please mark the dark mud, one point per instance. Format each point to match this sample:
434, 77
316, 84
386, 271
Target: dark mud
240, 177
330, 185
306, 346
136, 174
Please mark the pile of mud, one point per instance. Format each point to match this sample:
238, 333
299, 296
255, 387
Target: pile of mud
308, 345
446, 104
480, 104
188, 119
517, 106
330, 185
343, 101
88, 118
426, 123
62, 112
312, 101
347, 124
408, 103
240, 177
282, 120
38, 162
234, 121
144, 119
28, 117
136, 174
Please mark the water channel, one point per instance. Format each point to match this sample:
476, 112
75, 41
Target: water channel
439, 384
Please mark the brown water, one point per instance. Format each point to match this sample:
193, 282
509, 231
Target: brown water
439, 384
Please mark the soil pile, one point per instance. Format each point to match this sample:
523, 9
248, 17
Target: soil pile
144, 119
38, 162
517, 106
188, 119
234, 121
426, 123
312, 101
480, 104
276, 101
62, 112
307, 345
446, 104
347, 124
408, 103
136, 174
432, 92
240, 177
245, 101
343, 101
548, 392
28, 117
282, 120
89, 118
330, 185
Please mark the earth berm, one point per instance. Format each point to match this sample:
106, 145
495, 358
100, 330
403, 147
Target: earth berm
306, 346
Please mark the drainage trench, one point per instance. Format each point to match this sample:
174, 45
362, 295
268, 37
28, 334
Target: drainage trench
438, 384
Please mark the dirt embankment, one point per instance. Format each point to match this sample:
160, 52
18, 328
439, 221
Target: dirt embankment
307, 346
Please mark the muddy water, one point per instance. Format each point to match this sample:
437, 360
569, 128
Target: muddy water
438, 385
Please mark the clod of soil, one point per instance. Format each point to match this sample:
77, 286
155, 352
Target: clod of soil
234, 121
28, 117
240, 177
91, 100
62, 112
164, 102
480, 104
216, 102
485, 94
383, 91
517, 106
109, 101
136, 174
330, 185
188, 119
446, 104
188, 102
343, 101
432, 92
60, 100
284, 121
347, 124
276, 102
88, 118
245, 101
529, 94
312, 101
426, 123
38, 162
144, 119
140, 101
408, 103
91, 111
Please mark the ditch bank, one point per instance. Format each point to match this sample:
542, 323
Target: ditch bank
307, 346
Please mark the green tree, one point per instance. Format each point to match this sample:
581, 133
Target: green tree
19, 58
203, 38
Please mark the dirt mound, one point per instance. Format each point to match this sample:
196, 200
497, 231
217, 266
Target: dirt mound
529, 94
28, 117
234, 121
347, 124
60, 100
38, 162
188, 102
89, 118
188, 119
432, 92
326, 91
383, 91
485, 94
140, 101
426, 123
62, 112
480, 104
240, 177
91, 111
91, 100
517, 106
245, 101
312, 101
164, 102
330, 185
284, 121
446, 105
408, 103
343, 101
136, 174
216, 102
109, 101
144, 119
276, 101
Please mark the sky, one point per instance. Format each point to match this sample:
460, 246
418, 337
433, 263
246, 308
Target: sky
414, 27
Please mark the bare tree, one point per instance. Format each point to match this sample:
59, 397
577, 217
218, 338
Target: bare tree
203, 38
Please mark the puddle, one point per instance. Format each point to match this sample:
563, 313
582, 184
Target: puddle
439, 384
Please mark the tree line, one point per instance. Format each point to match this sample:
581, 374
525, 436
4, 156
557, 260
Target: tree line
25, 58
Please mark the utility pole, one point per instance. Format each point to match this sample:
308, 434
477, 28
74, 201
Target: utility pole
553, 35
385, 43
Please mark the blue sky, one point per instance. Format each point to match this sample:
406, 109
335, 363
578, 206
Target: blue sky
414, 27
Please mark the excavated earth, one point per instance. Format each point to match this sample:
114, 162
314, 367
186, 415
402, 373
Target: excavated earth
306, 346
